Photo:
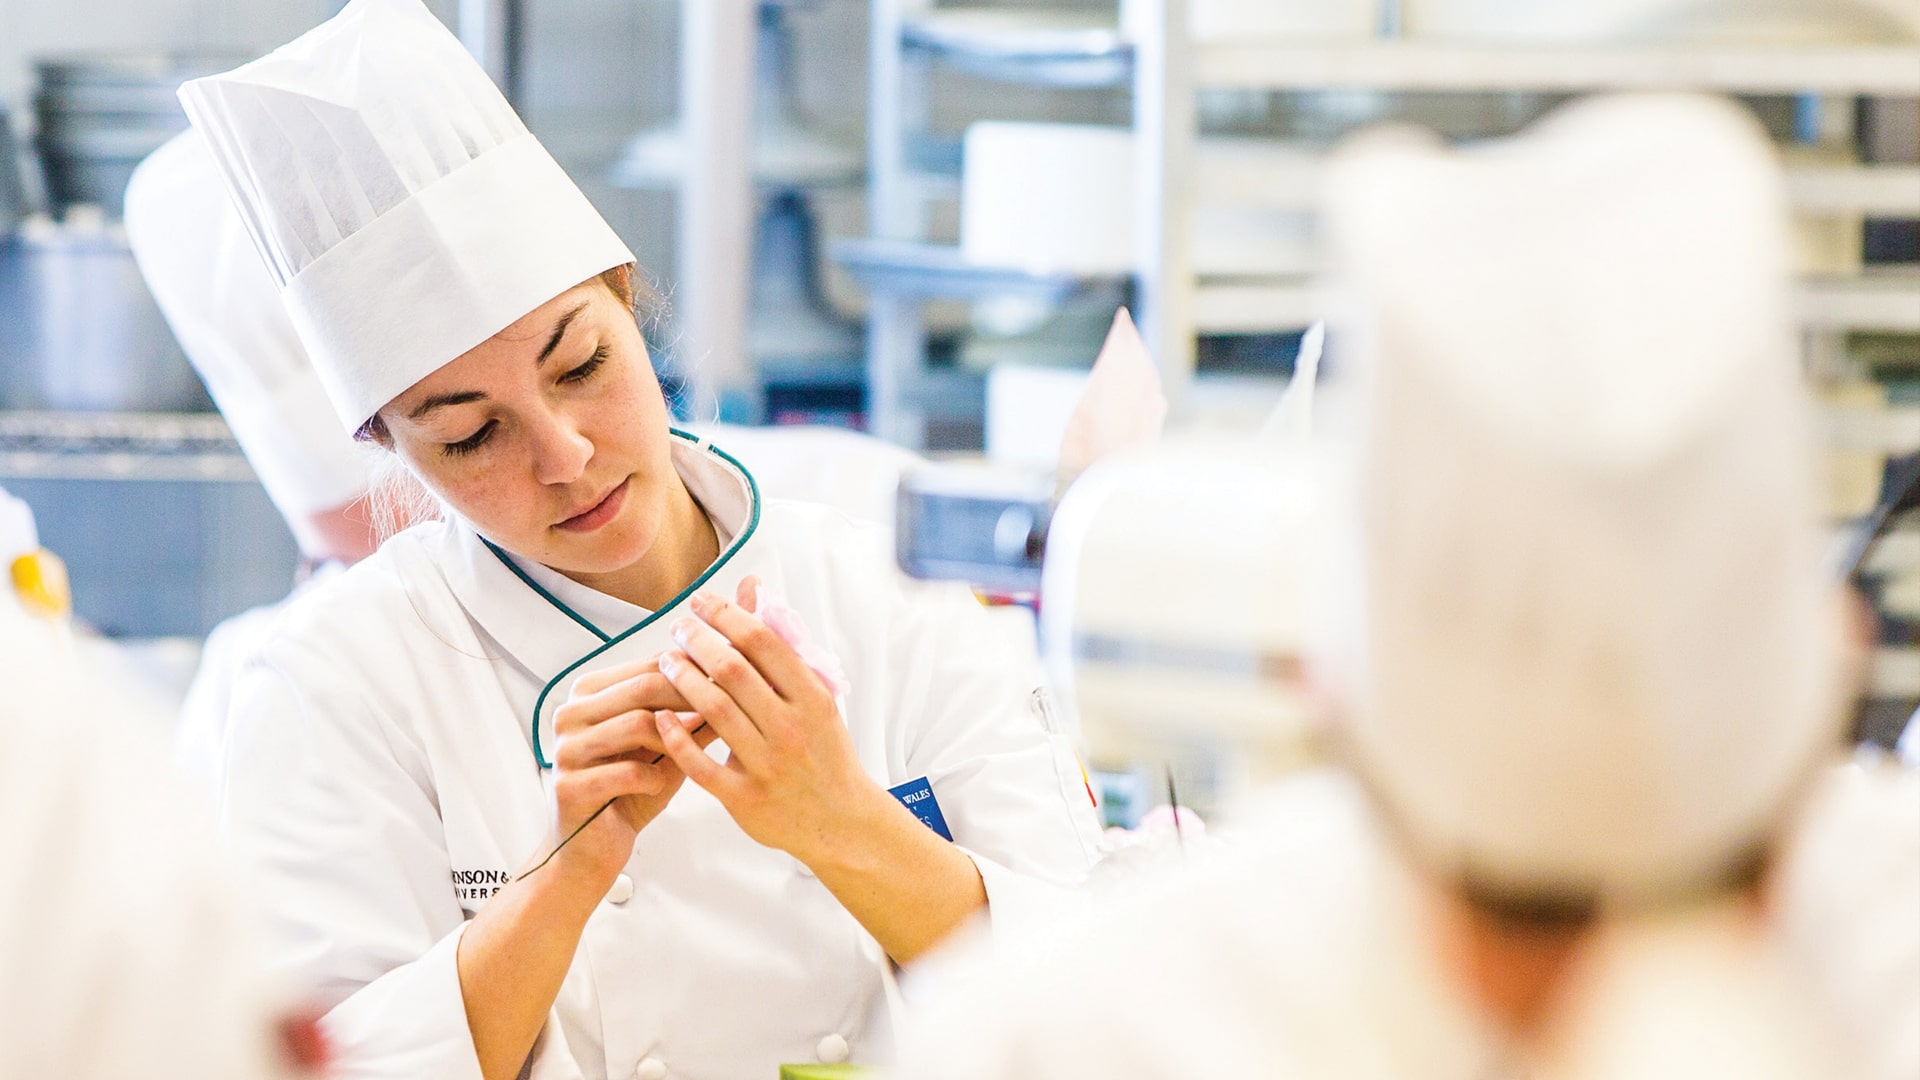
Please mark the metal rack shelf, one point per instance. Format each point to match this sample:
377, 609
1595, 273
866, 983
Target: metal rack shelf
1055, 49
192, 447
1875, 190
912, 168
1872, 69
1166, 68
908, 268
1884, 300
1171, 68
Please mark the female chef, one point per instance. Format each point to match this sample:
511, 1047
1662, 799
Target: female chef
421, 751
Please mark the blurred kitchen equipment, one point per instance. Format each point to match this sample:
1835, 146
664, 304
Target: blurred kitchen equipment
13, 197
1173, 587
792, 325
81, 333
100, 114
1175, 601
976, 522
162, 526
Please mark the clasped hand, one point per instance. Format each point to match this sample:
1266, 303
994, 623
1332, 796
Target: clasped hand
632, 734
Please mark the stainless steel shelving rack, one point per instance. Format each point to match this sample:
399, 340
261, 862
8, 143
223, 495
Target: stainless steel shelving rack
1171, 69
1166, 69
120, 446
910, 169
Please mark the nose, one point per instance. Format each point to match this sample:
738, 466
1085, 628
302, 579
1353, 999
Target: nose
560, 450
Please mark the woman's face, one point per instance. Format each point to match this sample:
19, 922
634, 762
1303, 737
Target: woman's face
550, 437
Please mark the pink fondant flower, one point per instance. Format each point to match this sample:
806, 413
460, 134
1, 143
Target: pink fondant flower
786, 622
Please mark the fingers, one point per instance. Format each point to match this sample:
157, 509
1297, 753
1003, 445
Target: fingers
690, 757
747, 593
772, 659
631, 734
695, 726
715, 706
725, 665
593, 682
643, 690
579, 793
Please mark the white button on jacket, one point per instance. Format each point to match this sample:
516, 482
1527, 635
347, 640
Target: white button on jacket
621, 891
382, 781
650, 1069
833, 1050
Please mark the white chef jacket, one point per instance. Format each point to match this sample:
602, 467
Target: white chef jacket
200, 736
1303, 955
382, 782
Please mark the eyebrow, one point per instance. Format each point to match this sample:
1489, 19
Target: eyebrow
443, 400
464, 396
559, 331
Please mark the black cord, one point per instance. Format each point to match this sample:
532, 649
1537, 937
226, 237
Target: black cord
657, 759
583, 825
1173, 801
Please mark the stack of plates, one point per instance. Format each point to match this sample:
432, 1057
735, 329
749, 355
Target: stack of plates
99, 115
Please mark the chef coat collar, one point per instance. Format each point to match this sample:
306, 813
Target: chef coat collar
608, 614
532, 618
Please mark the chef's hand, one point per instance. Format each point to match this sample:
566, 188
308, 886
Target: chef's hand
609, 750
792, 780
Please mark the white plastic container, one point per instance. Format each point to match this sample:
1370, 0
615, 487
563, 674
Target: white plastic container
1058, 198
1048, 197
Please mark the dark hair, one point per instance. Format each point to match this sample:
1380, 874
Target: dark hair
641, 299
1536, 911
1539, 910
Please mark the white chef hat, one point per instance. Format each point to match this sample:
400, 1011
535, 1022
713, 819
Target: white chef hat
1595, 648
404, 210
206, 276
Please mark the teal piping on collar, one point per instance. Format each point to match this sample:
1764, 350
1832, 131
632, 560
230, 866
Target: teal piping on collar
544, 594
740, 541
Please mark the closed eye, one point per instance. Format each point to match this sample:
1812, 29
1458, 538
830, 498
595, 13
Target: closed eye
586, 370
472, 442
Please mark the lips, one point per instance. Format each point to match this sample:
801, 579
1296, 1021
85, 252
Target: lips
597, 515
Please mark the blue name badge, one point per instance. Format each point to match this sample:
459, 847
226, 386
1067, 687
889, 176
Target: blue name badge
917, 796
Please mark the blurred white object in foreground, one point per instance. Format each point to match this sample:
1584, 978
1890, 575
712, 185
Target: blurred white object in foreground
122, 951
1585, 657
1307, 953
1174, 602
1849, 901
1597, 649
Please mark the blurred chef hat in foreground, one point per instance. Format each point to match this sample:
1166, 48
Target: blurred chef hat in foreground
222, 305
403, 210
128, 950
1595, 651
